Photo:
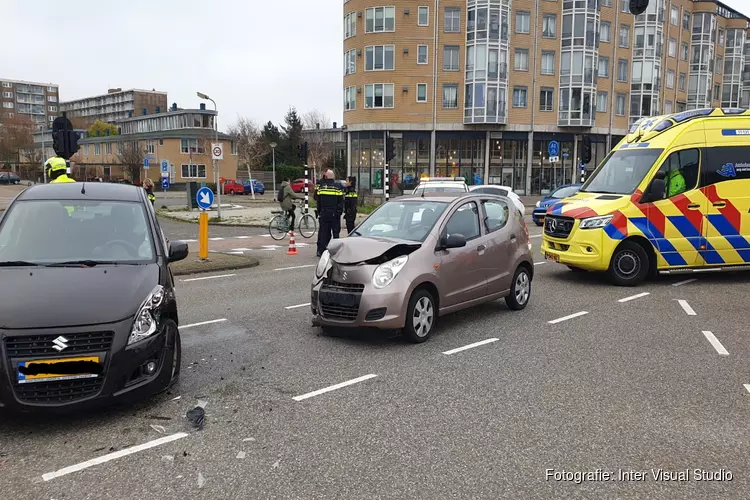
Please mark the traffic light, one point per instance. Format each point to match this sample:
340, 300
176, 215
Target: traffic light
390, 149
64, 139
638, 7
302, 152
586, 150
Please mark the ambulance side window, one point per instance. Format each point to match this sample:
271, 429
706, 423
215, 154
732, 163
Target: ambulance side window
681, 170
726, 164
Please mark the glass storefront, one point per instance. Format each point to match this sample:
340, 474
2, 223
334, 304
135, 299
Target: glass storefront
508, 161
545, 175
461, 155
368, 161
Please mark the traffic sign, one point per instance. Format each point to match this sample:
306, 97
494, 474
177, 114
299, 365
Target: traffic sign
553, 148
165, 183
205, 198
145, 163
554, 159
165, 166
217, 151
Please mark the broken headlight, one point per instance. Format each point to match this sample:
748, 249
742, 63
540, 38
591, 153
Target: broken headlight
145, 320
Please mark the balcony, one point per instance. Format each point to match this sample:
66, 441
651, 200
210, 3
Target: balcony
575, 119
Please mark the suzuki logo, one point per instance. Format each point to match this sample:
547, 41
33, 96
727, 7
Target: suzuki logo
344, 276
60, 343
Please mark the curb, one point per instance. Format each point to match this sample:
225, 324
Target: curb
210, 268
220, 224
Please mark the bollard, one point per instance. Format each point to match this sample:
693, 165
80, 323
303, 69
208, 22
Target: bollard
203, 235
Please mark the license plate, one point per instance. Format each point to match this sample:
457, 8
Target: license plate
46, 370
337, 299
552, 256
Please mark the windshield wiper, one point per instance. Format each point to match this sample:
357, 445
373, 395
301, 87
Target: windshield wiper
356, 233
601, 192
13, 263
84, 262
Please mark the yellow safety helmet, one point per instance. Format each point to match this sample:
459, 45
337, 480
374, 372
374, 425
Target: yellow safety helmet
55, 164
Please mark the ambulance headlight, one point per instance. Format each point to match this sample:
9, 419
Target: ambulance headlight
596, 222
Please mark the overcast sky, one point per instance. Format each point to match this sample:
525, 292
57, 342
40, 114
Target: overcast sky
255, 58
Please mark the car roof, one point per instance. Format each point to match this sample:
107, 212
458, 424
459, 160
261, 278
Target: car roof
91, 191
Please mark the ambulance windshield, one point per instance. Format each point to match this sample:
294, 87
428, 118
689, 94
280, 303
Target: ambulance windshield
622, 171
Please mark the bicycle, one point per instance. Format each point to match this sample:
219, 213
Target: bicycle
279, 225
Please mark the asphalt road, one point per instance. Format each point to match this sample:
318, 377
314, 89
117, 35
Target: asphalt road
632, 384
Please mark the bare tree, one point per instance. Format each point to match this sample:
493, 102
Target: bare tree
319, 144
15, 135
130, 156
251, 146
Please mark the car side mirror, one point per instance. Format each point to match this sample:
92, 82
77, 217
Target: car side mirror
178, 250
655, 190
454, 241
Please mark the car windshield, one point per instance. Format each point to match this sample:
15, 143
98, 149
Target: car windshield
622, 171
404, 220
564, 192
55, 231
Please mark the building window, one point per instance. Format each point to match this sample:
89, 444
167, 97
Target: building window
522, 22
193, 171
52, 109
379, 95
601, 102
450, 58
8, 95
620, 105
622, 70
380, 19
674, 16
423, 16
7, 85
379, 57
97, 149
603, 67
685, 24
350, 25
421, 54
545, 99
681, 106
450, 96
683, 51
86, 150
8, 105
188, 146
452, 20
519, 97
670, 79
421, 92
605, 3
624, 6
681, 81
52, 89
717, 92
350, 98
51, 98
150, 148
108, 148
548, 62
721, 38
624, 36
672, 47
605, 32
549, 26
350, 62
668, 107
521, 60
719, 65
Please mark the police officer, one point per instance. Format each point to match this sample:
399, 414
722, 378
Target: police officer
148, 185
329, 199
57, 170
350, 203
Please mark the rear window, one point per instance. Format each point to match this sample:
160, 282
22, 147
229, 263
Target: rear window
45, 232
565, 192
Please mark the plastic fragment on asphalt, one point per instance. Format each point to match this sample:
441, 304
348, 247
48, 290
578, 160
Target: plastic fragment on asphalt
201, 480
158, 428
276, 464
241, 455
248, 439
167, 458
175, 399
197, 416
202, 403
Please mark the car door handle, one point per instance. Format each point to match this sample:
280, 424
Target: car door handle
694, 206
481, 248
512, 237
720, 204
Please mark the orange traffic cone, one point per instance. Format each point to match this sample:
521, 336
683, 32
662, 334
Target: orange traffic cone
292, 247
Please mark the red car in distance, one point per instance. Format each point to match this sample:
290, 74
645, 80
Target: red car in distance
233, 187
298, 185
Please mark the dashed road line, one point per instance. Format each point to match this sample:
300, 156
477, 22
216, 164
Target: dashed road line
535, 236
680, 283
633, 297
211, 277
334, 387
566, 318
747, 387
540, 263
298, 305
243, 237
715, 342
203, 323
294, 267
216, 239
112, 456
241, 249
686, 307
471, 346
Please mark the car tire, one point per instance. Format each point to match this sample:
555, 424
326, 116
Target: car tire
177, 353
630, 264
520, 289
539, 224
423, 303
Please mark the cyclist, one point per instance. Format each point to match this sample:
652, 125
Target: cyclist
286, 200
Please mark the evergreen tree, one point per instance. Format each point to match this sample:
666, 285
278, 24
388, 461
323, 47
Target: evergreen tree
292, 136
270, 133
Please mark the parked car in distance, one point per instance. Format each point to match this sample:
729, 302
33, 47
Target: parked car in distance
417, 258
87, 298
428, 185
556, 195
501, 191
298, 185
257, 186
233, 187
9, 178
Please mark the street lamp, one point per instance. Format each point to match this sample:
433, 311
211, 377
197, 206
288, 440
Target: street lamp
273, 156
203, 96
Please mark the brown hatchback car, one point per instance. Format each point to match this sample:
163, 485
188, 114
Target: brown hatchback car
416, 258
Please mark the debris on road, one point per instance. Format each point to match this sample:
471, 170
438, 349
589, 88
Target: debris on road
276, 464
158, 428
177, 398
201, 480
248, 439
197, 416
241, 455
167, 458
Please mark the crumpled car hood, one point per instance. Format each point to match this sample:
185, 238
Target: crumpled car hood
363, 248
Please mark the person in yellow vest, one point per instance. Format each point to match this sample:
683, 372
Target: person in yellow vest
57, 170
148, 185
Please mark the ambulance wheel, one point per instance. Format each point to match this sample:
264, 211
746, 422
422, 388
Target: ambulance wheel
630, 264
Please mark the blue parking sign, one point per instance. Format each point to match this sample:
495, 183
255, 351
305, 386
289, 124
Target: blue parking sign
165, 183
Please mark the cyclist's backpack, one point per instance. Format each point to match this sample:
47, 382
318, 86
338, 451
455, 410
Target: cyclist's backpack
280, 196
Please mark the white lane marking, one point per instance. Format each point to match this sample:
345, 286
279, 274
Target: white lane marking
298, 305
715, 342
471, 346
633, 297
210, 277
566, 318
235, 253
334, 387
747, 387
189, 241
539, 263
117, 454
182, 327
241, 249
295, 267
216, 239
686, 307
242, 237
302, 244
684, 282
535, 236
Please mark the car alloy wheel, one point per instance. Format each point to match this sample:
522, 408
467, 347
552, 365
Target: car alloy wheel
522, 288
423, 316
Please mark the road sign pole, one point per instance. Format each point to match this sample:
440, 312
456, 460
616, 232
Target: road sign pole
203, 235
307, 198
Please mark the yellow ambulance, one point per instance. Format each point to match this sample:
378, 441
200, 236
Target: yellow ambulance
673, 196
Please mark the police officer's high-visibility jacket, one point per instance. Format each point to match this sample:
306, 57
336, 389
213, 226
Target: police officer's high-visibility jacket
151, 196
350, 202
329, 198
62, 178
675, 183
